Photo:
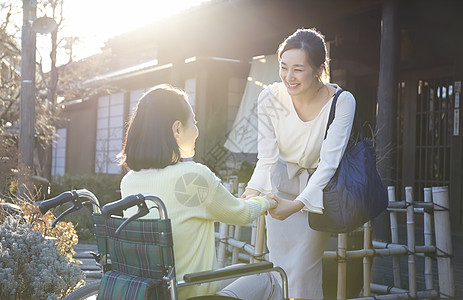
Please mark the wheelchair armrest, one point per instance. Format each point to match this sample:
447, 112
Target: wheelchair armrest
228, 272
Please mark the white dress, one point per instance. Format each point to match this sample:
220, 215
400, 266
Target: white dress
296, 162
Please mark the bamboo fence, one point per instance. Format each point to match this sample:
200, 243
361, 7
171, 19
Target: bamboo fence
435, 207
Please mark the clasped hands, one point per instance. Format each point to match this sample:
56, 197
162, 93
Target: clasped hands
280, 208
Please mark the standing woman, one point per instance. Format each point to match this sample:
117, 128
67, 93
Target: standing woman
295, 162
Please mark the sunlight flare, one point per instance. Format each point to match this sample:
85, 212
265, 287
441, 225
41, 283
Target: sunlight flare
96, 21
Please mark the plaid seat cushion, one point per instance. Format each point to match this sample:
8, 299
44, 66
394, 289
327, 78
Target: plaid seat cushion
116, 285
140, 255
99, 223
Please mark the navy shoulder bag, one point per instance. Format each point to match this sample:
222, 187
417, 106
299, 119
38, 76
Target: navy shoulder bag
355, 194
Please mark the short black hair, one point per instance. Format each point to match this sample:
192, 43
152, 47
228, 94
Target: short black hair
149, 141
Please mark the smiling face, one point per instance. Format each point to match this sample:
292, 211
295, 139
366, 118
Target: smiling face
296, 72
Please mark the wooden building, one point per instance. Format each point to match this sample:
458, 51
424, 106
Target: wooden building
401, 60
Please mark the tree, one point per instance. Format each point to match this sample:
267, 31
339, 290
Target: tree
52, 81
9, 66
10, 13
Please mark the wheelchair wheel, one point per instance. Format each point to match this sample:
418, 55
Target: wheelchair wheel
87, 292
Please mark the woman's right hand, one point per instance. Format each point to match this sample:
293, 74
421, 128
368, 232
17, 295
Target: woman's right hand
250, 193
272, 202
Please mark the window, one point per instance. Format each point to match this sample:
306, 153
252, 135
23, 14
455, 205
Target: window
434, 127
109, 133
58, 163
134, 97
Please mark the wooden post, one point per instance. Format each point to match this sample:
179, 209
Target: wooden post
27, 97
394, 237
411, 242
440, 196
387, 92
342, 266
367, 259
387, 106
427, 220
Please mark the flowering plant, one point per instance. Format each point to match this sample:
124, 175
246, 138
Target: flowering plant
31, 267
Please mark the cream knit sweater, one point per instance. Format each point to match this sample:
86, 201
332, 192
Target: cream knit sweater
283, 135
194, 199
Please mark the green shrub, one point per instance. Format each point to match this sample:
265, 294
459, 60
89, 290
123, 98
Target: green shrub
104, 186
31, 267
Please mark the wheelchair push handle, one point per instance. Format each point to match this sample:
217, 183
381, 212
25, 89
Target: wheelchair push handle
73, 197
65, 197
117, 207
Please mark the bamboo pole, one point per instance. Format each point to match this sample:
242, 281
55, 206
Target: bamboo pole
236, 250
366, 259
443, 249
259, 247
241, 188
221, 252
417, 210
231, 234
411, 242
403, 295
223, 235
383, 289
403, 204
394, 237
367, 252
245, 256
237, 236
342, 266
254, 226
380, 250
427, 219
440, 197
418, 249
248, 248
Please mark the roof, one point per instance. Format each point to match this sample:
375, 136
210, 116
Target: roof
140, 69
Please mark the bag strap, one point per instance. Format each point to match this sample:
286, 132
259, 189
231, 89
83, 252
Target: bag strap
333, 112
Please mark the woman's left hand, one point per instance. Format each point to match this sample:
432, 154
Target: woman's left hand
285, 207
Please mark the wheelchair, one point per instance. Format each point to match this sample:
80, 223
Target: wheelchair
136, 255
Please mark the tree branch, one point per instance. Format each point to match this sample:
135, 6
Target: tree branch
42, 74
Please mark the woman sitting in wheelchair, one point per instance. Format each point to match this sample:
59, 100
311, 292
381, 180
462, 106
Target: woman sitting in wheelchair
159, 141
